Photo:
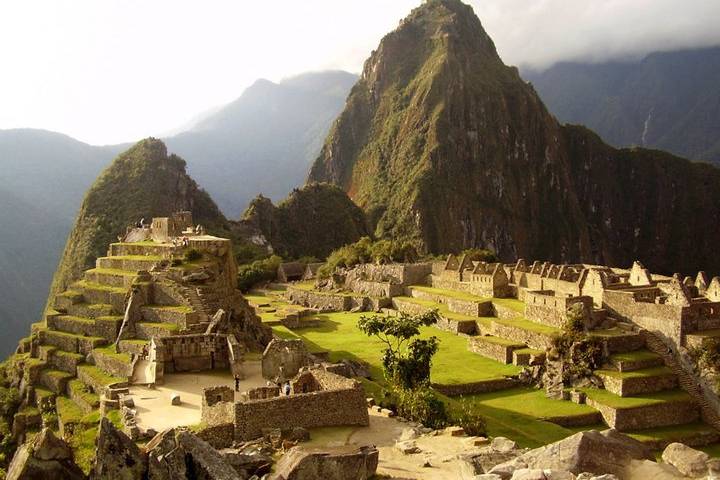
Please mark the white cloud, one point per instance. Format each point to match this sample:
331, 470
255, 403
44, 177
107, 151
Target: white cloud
117, 70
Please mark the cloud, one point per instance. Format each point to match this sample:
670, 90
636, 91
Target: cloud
542, 32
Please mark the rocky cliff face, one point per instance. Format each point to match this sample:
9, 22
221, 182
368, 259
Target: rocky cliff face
313, 221
140, 183
443, 143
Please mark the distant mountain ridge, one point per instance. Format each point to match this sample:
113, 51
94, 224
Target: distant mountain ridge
667, 100
265, 141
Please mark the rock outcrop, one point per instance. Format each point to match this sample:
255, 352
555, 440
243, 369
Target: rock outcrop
117, 457
179, 454
339, 463
442, 143
690, 462
607, 452
46, 458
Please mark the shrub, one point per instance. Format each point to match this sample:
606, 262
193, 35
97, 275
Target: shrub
480, 255
259, 271
421, 405
468, 417
708, 354
365, 250
192, 255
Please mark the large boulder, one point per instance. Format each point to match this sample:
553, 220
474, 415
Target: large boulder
179, 454
690, 462
592, 451
335, 463
46, 458
117, 457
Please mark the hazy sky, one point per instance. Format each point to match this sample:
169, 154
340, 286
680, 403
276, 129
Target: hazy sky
110, 71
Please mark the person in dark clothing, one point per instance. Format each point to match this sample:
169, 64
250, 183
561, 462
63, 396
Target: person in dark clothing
237, 383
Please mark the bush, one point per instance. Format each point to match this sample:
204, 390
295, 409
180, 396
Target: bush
421, 405
365, 251
480, 255
469, 419
707, 355
192, 255
259, 271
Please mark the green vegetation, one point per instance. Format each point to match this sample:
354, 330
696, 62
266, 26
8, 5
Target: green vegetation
637, 355
365, 251
707, 354
81, 390
580, 352
606, 398
313, 221
9, 403
170, 327
643, 373
98, 375
257, 272
480, 255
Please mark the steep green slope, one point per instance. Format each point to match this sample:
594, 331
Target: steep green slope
142, 182
667, 100
442, 143
312, 221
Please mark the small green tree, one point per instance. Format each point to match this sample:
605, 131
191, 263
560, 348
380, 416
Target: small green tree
480, 255
406, 359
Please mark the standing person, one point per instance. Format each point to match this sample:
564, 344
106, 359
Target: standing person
287, 389
237, 383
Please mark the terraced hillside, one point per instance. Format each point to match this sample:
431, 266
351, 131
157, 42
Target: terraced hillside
83, 356
486, 342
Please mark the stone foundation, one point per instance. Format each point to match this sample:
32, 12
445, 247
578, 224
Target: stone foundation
492, 347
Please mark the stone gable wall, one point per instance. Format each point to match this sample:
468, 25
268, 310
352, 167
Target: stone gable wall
185, 353
308, 410
668, 320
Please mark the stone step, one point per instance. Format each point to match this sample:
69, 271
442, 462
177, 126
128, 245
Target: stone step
667, 408
90, 310
111, 277
637, 360
113, 363
133, 263
83, 396
97, 380
70, 342
147, 330
534, 335
97, 293
102, 327
44, 399
619, 340
528, 357
55, 380
457, 302
64, 300
134, 346
496, 348
693, 435
638, 382
66, 361
177, 314
697, 339
142, 249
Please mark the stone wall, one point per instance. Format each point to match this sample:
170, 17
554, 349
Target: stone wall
319, 300
112, 365
283, 359
664, 414
192, 353
218, 436
667, 320
217, 406
638, 385
308, 410
464, 307
546, 307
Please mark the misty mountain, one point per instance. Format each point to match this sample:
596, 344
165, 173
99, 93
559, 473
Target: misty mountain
668, 100
43, 177
265, 141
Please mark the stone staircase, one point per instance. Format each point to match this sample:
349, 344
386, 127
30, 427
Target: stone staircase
73, 361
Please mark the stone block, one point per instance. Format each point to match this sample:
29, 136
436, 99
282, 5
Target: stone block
175, 399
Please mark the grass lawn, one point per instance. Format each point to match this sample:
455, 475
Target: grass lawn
530, 401
674, 432
453, 364
643, 373
637, 355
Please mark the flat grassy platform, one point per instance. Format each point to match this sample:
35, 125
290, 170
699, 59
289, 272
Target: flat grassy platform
637, 355
456, 294
528, 325
642, 373
611, 400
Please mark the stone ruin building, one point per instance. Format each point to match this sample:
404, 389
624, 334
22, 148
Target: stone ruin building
646, 324
320, 395
163, 300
